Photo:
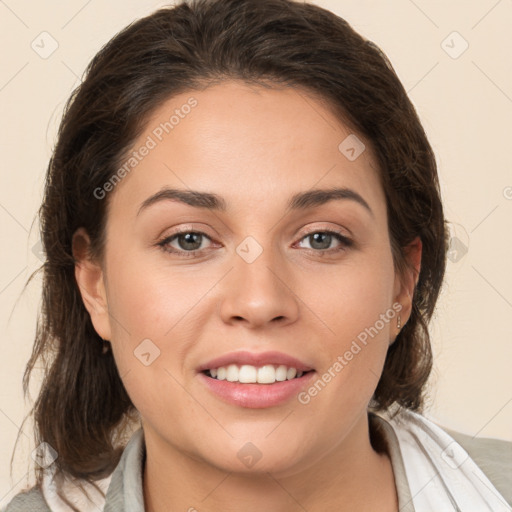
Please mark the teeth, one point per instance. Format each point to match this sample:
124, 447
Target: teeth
281, 373
266, 374
232, 373
290, 373
247, 374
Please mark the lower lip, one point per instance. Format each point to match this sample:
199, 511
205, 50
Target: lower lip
256, 396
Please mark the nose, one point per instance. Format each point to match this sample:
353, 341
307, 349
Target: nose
259, 292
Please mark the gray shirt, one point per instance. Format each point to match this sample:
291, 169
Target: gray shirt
125, 492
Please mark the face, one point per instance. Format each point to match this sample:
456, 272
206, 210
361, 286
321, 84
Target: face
260, 274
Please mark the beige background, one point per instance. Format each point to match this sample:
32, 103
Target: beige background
465, 104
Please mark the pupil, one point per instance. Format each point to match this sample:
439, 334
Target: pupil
189, 239
316, 236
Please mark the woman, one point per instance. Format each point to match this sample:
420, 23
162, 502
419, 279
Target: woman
245, 244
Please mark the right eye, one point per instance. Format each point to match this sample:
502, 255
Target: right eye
189, 243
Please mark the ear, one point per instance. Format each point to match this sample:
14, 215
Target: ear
90, 279
406, 282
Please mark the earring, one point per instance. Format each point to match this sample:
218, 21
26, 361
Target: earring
105, 347
399, 322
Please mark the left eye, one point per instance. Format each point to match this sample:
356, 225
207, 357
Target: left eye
189, 242
321, 240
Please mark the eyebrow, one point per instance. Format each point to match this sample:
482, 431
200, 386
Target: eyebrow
214, 202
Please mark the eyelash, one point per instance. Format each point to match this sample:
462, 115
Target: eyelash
344, 241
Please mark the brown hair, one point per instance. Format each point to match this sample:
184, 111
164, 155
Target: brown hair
83, 408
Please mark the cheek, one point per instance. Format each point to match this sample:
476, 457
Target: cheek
358, 294
154, 312
150, 328
149, 301
358, 314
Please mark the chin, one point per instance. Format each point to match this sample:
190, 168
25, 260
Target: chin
257, 457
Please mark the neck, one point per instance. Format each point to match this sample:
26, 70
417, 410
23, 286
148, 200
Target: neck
353, 476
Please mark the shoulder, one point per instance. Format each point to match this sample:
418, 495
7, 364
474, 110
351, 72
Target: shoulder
484, 465
125, 482
492, 456
31, 499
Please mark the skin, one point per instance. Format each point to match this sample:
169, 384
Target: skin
255, 147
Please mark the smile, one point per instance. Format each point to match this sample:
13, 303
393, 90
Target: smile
248, 374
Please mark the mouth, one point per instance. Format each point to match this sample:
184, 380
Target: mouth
249, 374
257, 381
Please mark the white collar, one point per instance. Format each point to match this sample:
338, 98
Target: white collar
441, 475
80, 493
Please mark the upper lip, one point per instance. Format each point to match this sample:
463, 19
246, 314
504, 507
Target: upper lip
255, 359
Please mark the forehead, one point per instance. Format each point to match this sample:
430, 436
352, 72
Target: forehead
247, 144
